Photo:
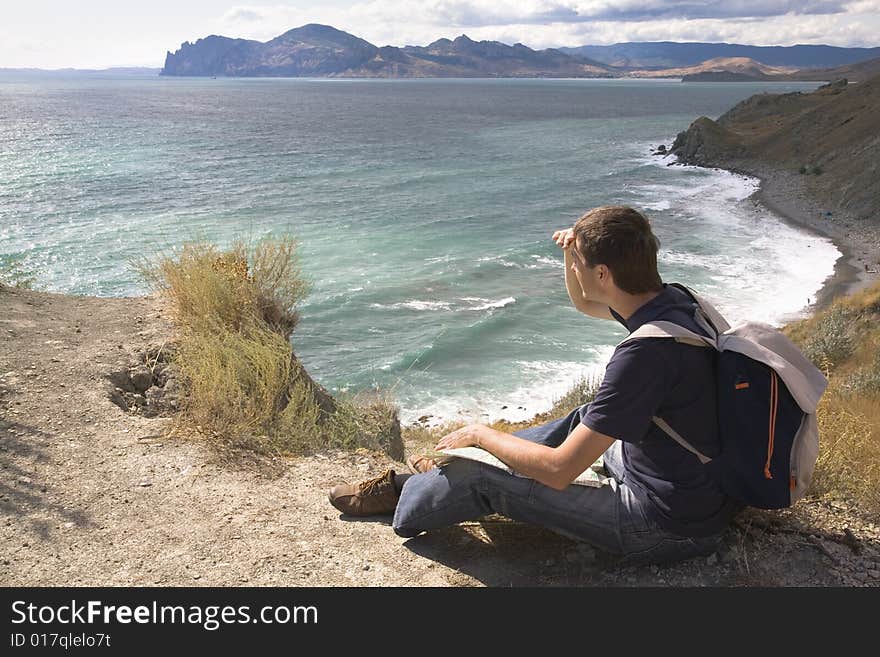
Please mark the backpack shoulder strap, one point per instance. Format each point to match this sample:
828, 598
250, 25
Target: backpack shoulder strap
661, 329
708, 311
672, 433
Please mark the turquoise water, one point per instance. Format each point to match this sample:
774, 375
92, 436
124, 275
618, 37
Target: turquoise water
424, 209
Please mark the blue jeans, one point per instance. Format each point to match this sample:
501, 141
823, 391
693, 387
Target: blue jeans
609, 517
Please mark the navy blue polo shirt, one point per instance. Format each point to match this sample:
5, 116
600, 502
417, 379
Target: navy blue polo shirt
675, 381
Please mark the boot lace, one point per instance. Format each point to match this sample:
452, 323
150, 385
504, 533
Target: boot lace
374, 485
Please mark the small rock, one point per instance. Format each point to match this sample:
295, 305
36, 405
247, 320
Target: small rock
712, 559
141, 378
154, 395
144, 484
367, 567
873, 572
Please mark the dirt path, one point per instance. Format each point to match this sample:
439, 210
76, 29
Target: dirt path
92, 495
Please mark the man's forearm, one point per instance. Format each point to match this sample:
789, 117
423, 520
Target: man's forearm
535, 461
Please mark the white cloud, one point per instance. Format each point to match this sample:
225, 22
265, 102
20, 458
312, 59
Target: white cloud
548, 23
98, 33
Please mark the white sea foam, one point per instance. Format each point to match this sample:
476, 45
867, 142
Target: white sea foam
501, 260
756, 266
478, 303
548, 381
413, 304
662, 204
544, 261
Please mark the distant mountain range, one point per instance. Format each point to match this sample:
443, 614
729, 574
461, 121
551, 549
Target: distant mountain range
323, 51
747, 70
668, 54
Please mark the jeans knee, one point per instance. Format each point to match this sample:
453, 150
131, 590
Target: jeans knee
402, 522
405, 532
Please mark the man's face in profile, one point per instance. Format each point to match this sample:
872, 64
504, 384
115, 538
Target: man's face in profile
583, 272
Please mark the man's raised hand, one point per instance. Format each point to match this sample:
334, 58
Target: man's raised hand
564, 237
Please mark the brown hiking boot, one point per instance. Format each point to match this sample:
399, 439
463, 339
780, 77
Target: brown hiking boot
375, 496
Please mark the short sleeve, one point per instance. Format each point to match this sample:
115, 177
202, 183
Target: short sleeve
634, 386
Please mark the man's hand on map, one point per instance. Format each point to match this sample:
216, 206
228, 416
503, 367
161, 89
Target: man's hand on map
468, 436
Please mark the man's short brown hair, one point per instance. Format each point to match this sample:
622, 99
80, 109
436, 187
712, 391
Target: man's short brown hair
620, 238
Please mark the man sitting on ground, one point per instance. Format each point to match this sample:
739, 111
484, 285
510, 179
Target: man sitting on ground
659, 502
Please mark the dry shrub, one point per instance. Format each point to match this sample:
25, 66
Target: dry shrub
276, 273
583, 391
865, 380
832, 339
304, 428
235, 379
235, 311
228, 288
845, 339
849, 451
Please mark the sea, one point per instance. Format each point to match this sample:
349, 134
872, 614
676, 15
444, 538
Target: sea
423, 210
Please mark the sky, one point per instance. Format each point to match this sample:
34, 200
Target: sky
105, 33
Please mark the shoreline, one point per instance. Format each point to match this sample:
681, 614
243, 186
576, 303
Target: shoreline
783, 194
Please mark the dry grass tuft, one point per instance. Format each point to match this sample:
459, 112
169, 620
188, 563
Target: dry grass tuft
235, 311
849, 455
844, 341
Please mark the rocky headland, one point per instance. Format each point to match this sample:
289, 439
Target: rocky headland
818, 158
322, 50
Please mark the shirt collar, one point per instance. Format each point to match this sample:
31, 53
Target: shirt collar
648, 311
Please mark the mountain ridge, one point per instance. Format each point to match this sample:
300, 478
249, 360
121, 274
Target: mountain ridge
322, 50
830, 136
672, 54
